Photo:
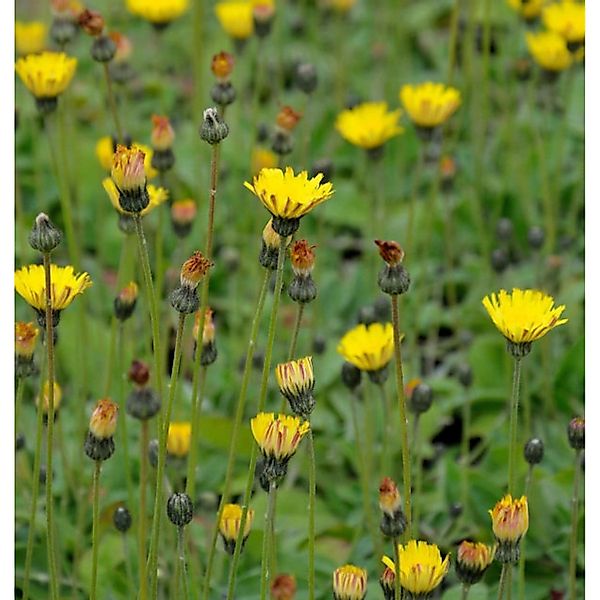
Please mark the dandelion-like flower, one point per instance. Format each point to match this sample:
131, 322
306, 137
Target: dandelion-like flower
369, 125
296, 383
510, 521
30, 284
158, 12
472, 561
349, 583
566, 18
30, 37
523, 317
288, 197
179, 438
236, 19
156, 196
421, 568
229, 525
549, 50
430, 104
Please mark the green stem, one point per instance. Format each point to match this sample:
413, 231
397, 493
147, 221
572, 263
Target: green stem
95, 523
524, 540
182, 562
403, 417
504, 577
294, 341
160, 467
264, 569
386, 450
113, 104
397, 595
417, 500
128, 566
123, 420
465, 591
260, 408
110, 360
574, 522
54, 591
514, 413
142, 517
312, 492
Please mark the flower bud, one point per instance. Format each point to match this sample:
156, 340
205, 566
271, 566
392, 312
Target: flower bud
103, 49
283, 587
263, 12
510, 521
45, 399
185, 299
393, 521
26, 335
536, 237
129, 176
99, 443
500, 260
153, 452
349, 583
124, 46
62, 31
465, 375
296, 383
351, 375
183, 213
271, 241
323, 166
534, 451
143, 402
213, 129
223, 93
472, 561
124, 303
179, 439
393, 279
209, 347
306, 77
122, 519
504, 229
163, 135
576, 433
282, 142
180, 509
421, 398
387, 581
139, 373
44, 236
230, 523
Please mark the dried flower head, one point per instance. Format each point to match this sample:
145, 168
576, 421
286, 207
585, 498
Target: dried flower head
283, 587
288, 118
103, 422
26, 335
390, 251
302, 257
222, 65
91, 21
194, 269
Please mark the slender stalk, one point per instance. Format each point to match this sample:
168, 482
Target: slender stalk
312, 492
464, 453
294, 341
386, 450
128, 566
264, 569
160, 467
261, 405
514, 413
504, 576
123, 419
465, 591
417, 500
110, 361
524, 540
95, 519
113, 104
403, 417
574, 521
54, 591
142, 517
182, 562
397, 595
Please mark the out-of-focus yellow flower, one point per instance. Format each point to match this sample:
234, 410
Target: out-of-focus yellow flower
278, 437
46, 75
30, 284
179, 439
549, 50
263, 158
46, 397
103, 422
368, 347
421, 567
430, 104
30, 37
566, 18
158, 12
349, 583
157, 196
369, 125
229, 525
236, 18
105, 151
528, 9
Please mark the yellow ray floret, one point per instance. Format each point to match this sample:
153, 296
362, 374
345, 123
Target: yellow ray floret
567, 19
179, 438
157, 195
549, 50
157, 11
278, 436
421, 566
369, 125
429, 104
368, 347
287, 195
231, 520
523, 315
48, 74
30, 284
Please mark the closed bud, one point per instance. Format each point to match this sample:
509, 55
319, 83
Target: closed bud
576, 433
44, 236
163, 135
26, 335
179, 437
500, 260
306, 77
421, 398
223, 93
393, 279
296, 383
62, 30
283, 587
143, 403
534, 451
393, 521
263, 13
504, 229
45, 399
465, 375
282, 142
183, 213
351, 375
271, 241
103, 49
323, 166
302, 257
387, 581
536, 237
122, 519
153, 452
129, 176
230, 523
180, 509
124, 303
209, 348
472, 561
185, 299
213, 129
349, 583
99, 443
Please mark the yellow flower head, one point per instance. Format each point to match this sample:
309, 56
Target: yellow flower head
229, 525
296, 383
26, 335
236, 18
421, 566
528, 9
349, 583
157, 196
262, 158
566, 18
30, 283
46, 397
369, 125
368, 347
127, 169
30, 37
523, 316
288, 196
158, 12
150, 171
179, 439
278, 437
46, 75
103, 422
430, 104
472, 560
549, 50
510, 519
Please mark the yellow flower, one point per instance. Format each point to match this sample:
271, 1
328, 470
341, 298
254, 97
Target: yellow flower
30, 37
236, 18
566, 18
229, 525
46, 397
26, 335
369, 125
430, 104
549, 50
46, 75
472, 560
157, 196
349, 583
103, 422
105, 151
510, 519
278, 437
263, 159
296, 383
158, 12
179, 439
523, 316
30, 283
421, 566
288, 197
368, 347
528, 9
